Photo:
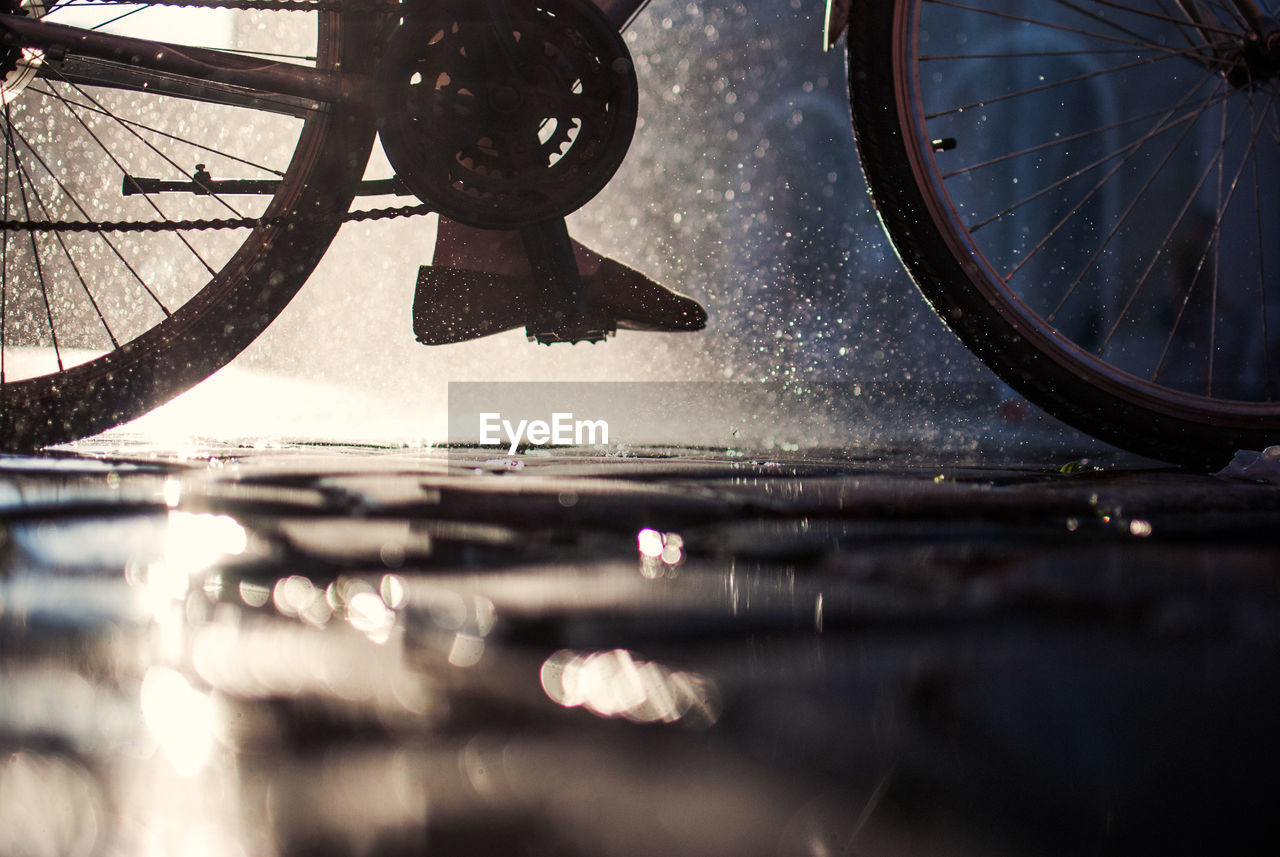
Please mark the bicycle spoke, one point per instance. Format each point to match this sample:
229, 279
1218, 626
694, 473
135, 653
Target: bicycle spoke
1128, 153
1125, 152
1033, 90
1014, 55
1092, 16
152, 130
102, 236
247, 77
4, 272
35, 248
132, 131
1116, 228
245, 52
1212, 244
1234, 14
1049, 25
66, 253
1176, 20
1066, 141
170, 161
1182, 31
98, 73
118, 18
1164, 244
106, 150
1262, 270
1216, 246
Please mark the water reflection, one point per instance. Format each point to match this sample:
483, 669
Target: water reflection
296, 597
617, 684
360, 662
451, 622
724, 661
180, 718
50, 806
660, 553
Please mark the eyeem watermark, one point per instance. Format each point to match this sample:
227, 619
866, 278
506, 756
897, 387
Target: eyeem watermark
562, 430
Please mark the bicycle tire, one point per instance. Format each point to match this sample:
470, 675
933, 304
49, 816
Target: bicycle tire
216, 290
1018, 155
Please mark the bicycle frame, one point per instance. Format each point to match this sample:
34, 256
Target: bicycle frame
141, 64
132, 62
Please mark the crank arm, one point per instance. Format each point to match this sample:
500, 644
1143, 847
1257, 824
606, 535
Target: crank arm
560, 312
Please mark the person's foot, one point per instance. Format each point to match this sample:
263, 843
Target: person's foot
480, 283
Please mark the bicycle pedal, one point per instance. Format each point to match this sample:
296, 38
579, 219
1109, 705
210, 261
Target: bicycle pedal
591, 336
596, 326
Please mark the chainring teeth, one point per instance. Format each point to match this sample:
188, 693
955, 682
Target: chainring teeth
516, 148
453, 99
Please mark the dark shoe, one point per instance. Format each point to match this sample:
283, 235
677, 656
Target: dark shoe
454, 305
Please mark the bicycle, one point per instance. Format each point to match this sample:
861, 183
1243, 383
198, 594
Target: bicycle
1078, 255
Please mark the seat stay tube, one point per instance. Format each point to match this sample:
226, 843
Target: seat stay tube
222, 67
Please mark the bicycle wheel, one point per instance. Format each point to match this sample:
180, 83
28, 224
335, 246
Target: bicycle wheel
98, 326
1081, 190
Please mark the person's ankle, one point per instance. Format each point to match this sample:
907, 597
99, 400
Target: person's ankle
485, 250
494, 251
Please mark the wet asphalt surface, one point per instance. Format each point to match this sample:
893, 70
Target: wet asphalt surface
362, 651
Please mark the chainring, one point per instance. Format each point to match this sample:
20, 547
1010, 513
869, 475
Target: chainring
506, 115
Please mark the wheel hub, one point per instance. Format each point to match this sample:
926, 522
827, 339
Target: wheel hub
500, 125
19, 65
1254, 62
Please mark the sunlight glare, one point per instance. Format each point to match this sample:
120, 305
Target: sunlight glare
617, 684
180, 718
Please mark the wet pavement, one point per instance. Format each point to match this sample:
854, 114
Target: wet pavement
373, 651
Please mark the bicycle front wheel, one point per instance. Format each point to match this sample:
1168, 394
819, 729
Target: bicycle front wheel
1082, 191
115, 292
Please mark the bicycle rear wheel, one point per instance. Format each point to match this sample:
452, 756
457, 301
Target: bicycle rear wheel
100, 324
1081, 191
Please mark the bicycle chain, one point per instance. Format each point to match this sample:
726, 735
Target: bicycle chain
358, 216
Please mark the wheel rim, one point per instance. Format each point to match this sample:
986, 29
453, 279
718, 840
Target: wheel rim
1107, 220
94, 325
